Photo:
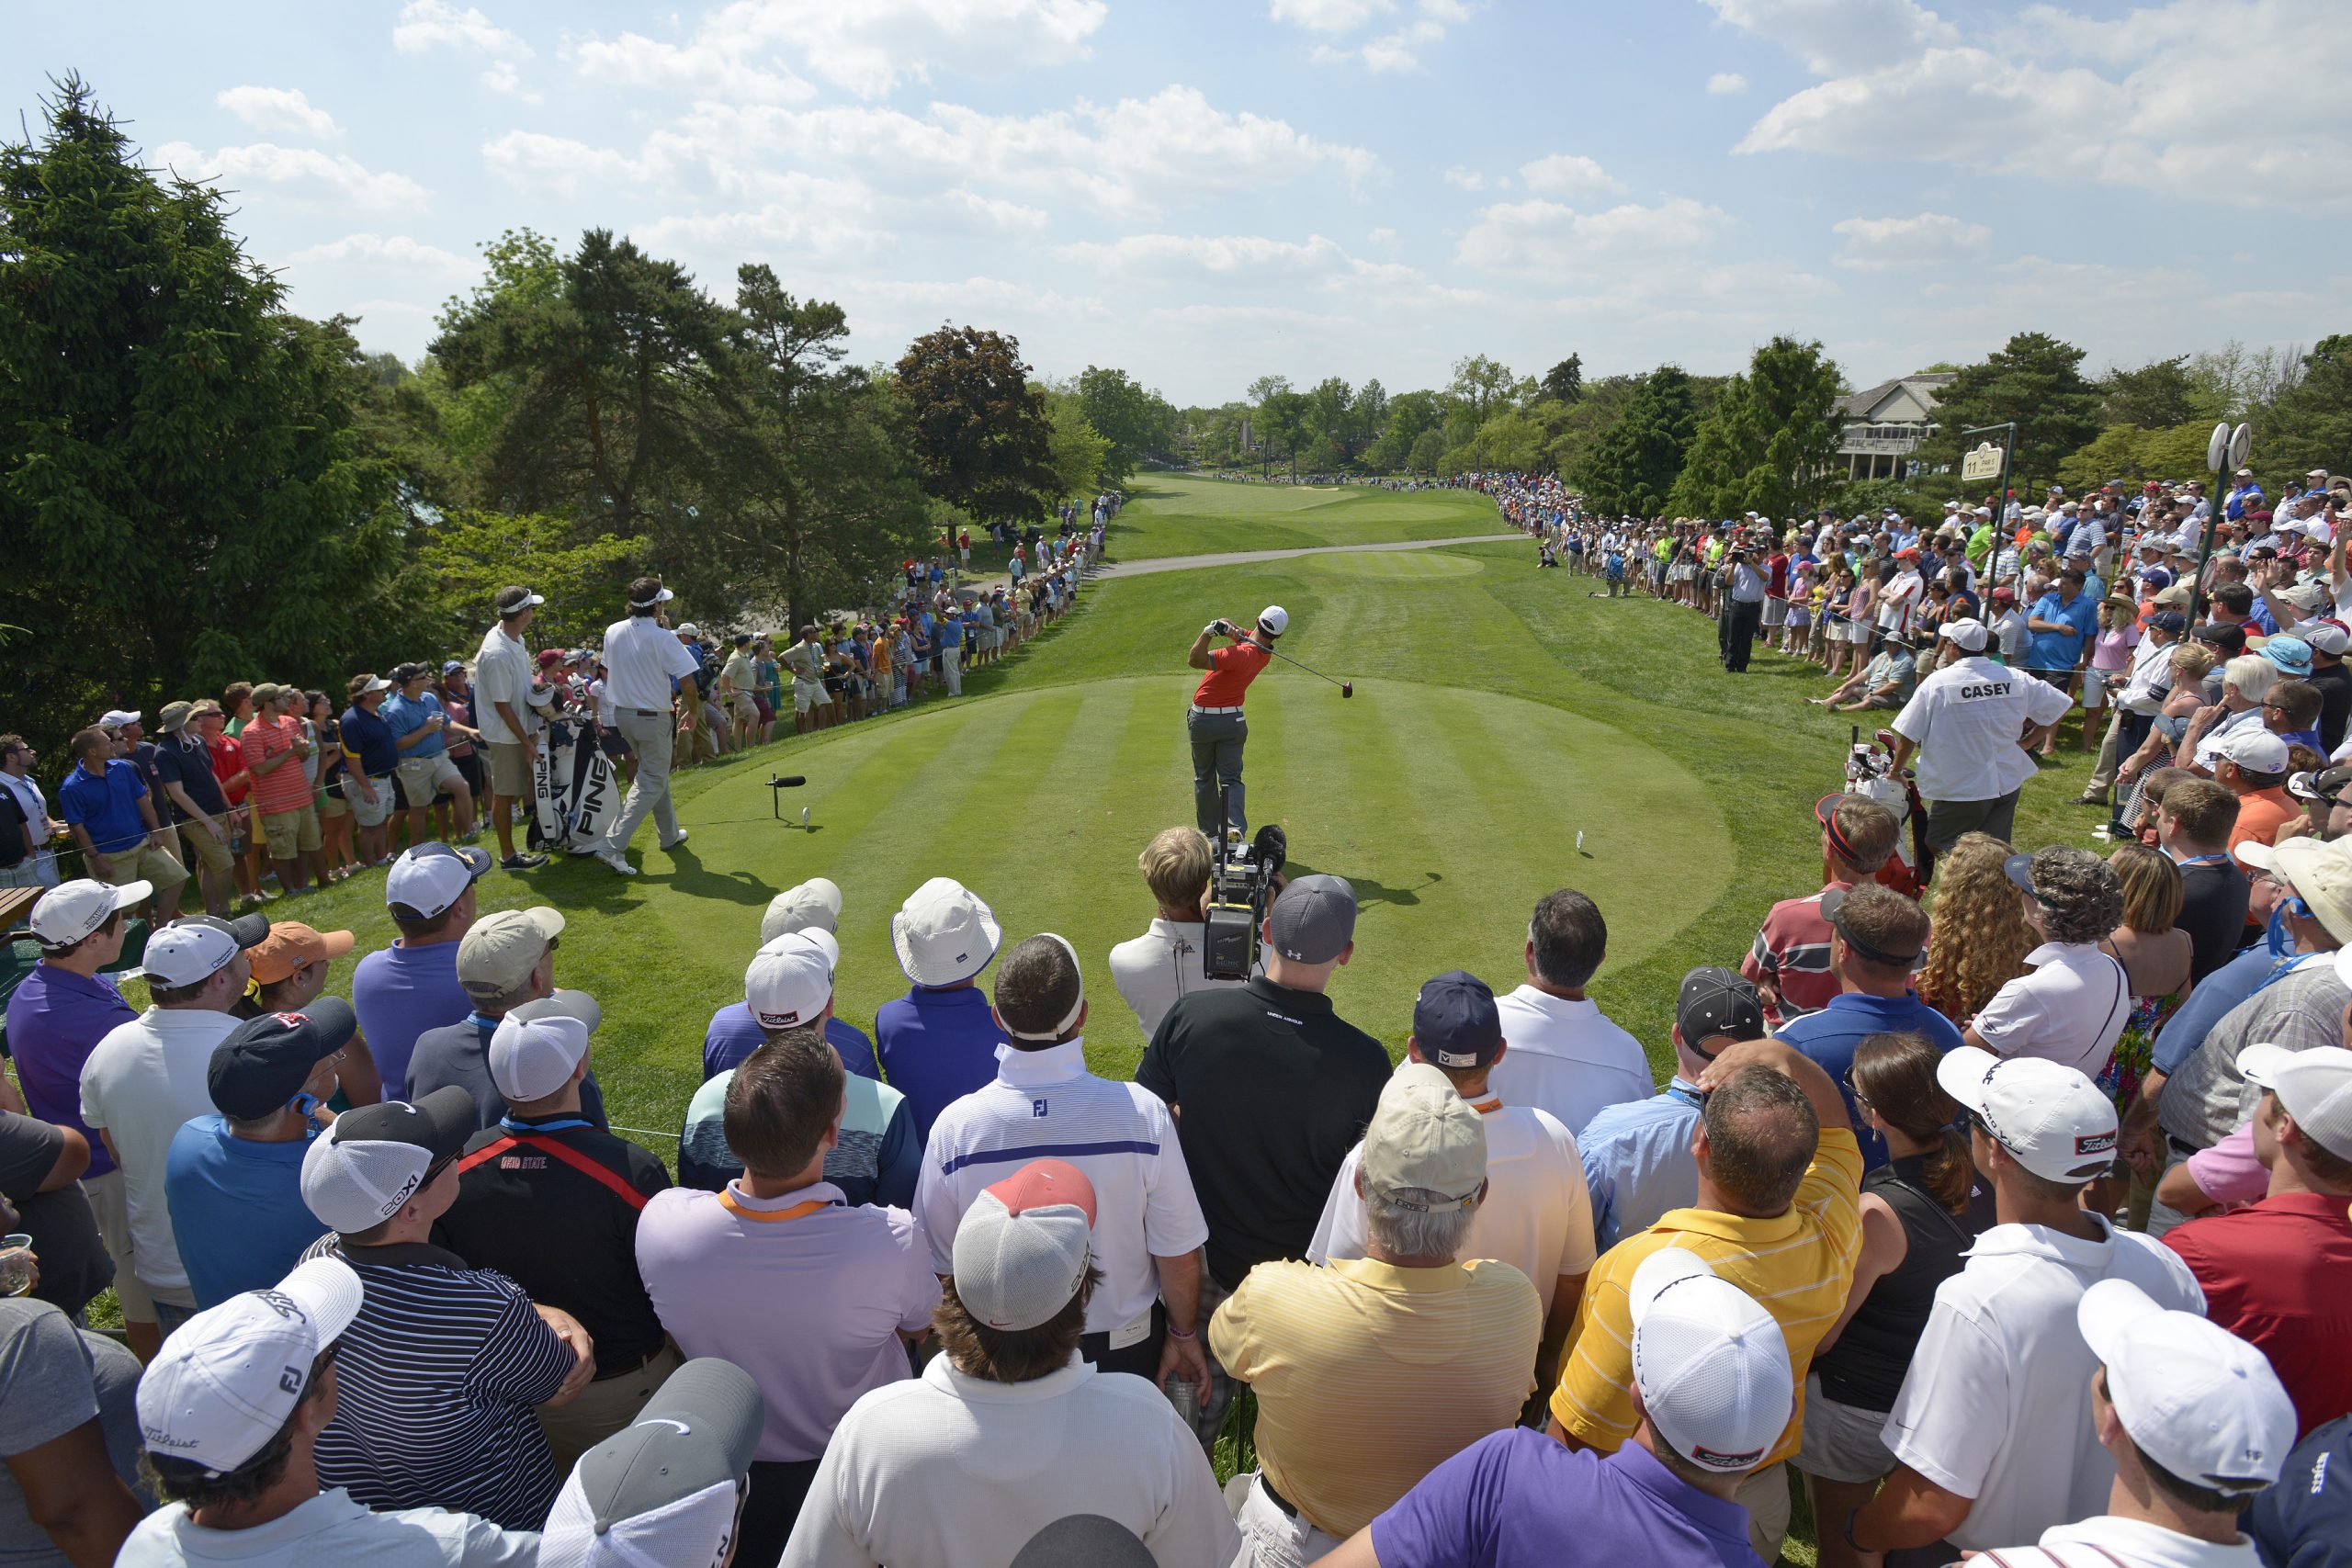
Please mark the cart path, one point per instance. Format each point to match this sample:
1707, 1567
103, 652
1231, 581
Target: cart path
1245, 558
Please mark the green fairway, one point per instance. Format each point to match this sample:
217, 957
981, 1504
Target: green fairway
1500, 711
1176, 514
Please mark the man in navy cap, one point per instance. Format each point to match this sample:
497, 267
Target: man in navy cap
234, 1181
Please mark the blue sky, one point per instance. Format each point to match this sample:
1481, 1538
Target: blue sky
1203, 193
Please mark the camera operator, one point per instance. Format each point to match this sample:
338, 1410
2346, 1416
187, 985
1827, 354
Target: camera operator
1744, 583
1214, 721
1157, 969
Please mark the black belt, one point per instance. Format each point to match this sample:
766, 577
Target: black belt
638, 1366
650, 712
2181, 1146
1266, 1484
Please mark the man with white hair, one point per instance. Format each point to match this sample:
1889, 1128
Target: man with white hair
1336, 1353
1974, 725
1714, 1386
2246, 681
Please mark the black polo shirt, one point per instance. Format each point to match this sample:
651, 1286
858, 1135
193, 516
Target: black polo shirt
2335, 683
182, 759
1275, 1089
2212, 911
551, 1202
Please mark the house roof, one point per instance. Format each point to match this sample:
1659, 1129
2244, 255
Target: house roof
1905, 398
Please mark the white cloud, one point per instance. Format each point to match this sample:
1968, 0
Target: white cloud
1726, 85
1834, 37
1330, 15
506, 76
278, 109
431, 24
996, 213
970, 297
1543, 239
1568, 175
408, 255
1468, 179
1392, 52
869, 47
1875, 242
534, 161
1253, 256
302, 173
1382, 236
703, 69
2061, 96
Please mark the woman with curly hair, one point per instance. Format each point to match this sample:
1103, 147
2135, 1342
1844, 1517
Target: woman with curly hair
2071, 1010
1981, 935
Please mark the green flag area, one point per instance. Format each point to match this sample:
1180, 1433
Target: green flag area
1500, 711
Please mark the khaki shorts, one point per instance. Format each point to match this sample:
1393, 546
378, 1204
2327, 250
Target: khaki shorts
202, 849
144, 862
744, 707
111, 1206
806, 695
424, 777
291, 833
510, 769
331, 804
363, 813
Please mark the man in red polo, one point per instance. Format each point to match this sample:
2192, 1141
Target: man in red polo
1789, 962
2278, 1273
1215, 720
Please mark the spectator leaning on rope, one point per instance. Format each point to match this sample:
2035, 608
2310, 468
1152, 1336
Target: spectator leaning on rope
107, 804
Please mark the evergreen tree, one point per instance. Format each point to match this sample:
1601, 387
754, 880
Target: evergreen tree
2034, 379
2310, 426
1633, 463
1766, 442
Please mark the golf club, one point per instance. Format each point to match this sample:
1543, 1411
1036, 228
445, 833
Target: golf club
1347, 688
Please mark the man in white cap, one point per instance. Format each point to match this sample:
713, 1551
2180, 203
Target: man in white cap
507, 963
733, 1033
787, 987
503, 688
1008, 1383
652, 683
56, 1017
858, 1277
668, 1488
938, 1041
1145, 1317
551, 1200
2196, 1425
1974, 725
1992, 1429
231, 1415
402, 991
1214, 721
2297, 1004
149, 1076
2280, 1271
1713, 1390
1336, 1354
440, 1371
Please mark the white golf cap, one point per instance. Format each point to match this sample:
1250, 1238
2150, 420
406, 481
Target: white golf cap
1711, 1363
661, 596
428, 878
2200, 1402
188, 953
1273, 620
2254, 749
815, 905
226, 1382
531, 1058
1966, 634
2320, 873
689, 630
790, 979
115, 718
2314, 1086
71, 911
2053, 1119
943, 934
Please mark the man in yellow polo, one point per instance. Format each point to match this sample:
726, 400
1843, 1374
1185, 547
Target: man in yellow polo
1779, 1215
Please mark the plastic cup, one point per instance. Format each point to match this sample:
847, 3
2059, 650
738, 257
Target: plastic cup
16, 1265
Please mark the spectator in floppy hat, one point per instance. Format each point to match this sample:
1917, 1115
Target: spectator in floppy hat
234, 1179
938, 1041
440, 1371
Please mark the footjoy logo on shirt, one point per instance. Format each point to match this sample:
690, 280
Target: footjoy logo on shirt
1036, 1108
2094, 1143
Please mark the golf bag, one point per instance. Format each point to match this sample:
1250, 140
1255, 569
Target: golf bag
595, 796
550, 775
1870, 771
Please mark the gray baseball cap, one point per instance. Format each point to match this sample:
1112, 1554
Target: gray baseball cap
665, 1488
1313, 920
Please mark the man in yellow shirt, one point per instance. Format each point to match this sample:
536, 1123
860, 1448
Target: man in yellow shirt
1335, 1353
1779, 1215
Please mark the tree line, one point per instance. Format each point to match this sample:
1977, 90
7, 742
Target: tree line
203, 487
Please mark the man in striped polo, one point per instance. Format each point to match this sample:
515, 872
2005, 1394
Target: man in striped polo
437, 1377
550, 1200
1046, 1105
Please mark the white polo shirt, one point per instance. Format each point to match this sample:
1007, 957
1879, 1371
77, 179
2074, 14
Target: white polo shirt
1536, 1216
1899, 600
1996, 1406
1046, 1105
1966, 719
502, 673
2070, 1008
139, 1085
641, 658
1157, 969
2108, 1540
2151, 676
1566, 1057
948, 1470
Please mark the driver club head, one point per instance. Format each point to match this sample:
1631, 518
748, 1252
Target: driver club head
1347, 689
